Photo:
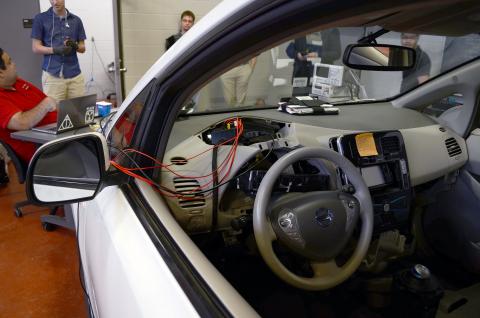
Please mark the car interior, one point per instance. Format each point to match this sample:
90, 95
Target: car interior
335, 173
367, 210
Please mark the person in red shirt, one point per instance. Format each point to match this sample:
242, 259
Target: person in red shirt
22, 106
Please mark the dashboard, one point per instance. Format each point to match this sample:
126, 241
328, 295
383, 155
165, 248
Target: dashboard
392, 161
383, 164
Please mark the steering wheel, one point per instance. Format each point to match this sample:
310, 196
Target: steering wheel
316, 225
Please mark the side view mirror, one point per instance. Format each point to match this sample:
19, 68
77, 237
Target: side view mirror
379, 57
67, 170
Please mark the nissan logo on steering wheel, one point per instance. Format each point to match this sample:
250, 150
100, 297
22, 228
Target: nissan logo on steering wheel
324, 217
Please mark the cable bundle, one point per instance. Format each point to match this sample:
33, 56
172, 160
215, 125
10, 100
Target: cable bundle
223, 168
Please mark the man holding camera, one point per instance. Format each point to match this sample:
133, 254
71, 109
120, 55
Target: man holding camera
58, 35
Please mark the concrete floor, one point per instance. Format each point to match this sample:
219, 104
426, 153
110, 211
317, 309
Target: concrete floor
38, 270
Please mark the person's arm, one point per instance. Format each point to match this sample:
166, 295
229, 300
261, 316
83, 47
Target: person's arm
290, 50
39, 48
81, 38
301, 48
81, 47
28, 119
37, 35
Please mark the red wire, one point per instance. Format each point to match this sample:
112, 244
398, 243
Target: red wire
220, 167
168, 165
230, 158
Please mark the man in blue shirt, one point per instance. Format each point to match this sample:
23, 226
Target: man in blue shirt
58, 35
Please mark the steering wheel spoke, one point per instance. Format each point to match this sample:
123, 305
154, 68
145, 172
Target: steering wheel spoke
270, 233
323, 269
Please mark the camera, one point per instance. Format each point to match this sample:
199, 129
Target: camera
69, 42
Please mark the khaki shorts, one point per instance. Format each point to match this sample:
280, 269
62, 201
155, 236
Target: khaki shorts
63, 88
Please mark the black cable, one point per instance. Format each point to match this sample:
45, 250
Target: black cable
80, 274
159, 186
101, 61
214, 192
109, 119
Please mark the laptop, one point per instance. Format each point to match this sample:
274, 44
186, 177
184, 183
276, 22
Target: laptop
72, 114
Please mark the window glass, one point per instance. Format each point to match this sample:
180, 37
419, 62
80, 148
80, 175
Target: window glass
452, 102
293, 66
122, 133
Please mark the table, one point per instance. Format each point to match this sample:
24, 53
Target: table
39, 137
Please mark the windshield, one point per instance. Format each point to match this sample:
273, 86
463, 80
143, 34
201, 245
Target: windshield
312, 65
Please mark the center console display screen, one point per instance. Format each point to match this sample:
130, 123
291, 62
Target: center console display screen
372, 175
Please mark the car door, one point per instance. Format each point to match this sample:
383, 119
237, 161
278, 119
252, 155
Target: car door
131, 265
124, 274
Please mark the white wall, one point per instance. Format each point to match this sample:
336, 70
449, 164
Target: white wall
97, 18
146, 24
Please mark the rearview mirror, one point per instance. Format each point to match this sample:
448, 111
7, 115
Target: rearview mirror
379, 57
67, 170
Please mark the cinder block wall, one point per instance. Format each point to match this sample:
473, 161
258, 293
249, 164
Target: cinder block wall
146, 24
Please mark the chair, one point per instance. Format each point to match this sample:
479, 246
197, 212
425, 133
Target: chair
48, 221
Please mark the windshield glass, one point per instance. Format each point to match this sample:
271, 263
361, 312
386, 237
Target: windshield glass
312, 65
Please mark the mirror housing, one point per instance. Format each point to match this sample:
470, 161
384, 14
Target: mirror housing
379, 57
68, 170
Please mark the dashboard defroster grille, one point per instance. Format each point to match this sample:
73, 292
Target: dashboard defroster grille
452, 147
188, 199
390, 144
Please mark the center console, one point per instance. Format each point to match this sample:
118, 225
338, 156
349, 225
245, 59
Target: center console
382, 161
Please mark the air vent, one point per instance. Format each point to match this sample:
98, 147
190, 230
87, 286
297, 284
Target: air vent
186, 187
452, 147
178, 161
390, 144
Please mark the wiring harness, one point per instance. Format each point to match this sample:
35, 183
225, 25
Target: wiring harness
208, 184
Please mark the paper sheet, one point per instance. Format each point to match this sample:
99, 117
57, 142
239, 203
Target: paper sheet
366, 145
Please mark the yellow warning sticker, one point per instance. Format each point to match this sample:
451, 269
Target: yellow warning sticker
366, 145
